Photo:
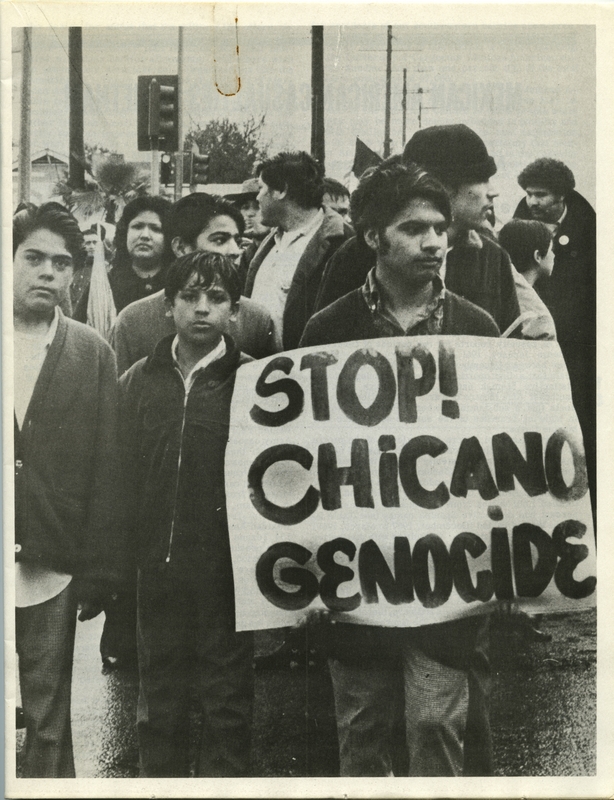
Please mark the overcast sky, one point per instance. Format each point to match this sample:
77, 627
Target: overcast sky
529, 91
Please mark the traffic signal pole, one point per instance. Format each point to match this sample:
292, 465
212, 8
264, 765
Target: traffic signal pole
155, 168
154, 125
179, 154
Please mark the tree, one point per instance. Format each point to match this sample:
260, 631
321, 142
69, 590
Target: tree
110, 183
233, 149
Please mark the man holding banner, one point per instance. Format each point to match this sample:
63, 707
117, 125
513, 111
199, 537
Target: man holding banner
403, 215
466, 487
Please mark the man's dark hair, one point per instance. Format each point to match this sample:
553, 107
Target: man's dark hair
161, 207
209, 268
385, 190
335, 188
521, 238
52, 217
297, 173
191, 215
550, 174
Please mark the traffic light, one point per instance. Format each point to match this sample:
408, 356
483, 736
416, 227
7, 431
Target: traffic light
167, 169
199, 169
157, 112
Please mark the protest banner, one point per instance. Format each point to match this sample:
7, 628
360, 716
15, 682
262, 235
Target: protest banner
406, 481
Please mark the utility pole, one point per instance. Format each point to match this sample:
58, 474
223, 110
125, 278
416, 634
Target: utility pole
404, 105
179, 153
387, 141
76, 155
317, 93
25, 163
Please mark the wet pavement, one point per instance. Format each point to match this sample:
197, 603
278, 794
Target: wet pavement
543, 707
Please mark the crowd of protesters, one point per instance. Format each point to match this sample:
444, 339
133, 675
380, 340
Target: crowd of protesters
119, 483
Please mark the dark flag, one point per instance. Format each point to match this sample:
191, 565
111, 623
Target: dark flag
364, 158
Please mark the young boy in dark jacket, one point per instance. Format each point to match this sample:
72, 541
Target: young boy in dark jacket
175, 410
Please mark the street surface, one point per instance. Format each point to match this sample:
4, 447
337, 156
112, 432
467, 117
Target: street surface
543, 708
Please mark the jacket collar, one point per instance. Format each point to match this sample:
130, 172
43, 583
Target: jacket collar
469, 238
332, 225
162, 358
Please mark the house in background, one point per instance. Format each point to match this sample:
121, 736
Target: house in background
48, 167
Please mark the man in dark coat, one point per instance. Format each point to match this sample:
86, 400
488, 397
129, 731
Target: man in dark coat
67, 483
570, 292
285, 273
403, 215
476, 267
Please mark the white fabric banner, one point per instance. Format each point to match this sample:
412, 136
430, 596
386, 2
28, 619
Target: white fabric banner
406, 481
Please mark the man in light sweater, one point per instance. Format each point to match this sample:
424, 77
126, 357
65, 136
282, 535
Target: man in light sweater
67, 481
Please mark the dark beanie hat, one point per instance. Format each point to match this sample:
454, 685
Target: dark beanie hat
452, 153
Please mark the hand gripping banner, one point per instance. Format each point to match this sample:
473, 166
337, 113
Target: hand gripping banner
407, 481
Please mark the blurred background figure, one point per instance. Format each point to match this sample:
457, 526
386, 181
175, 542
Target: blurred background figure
337, 197
529, 245
90, 240
245, 201
82, 276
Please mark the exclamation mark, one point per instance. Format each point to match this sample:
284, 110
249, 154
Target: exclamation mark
448, 383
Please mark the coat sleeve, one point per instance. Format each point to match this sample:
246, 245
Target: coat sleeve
130, 387
120, 343
510, 309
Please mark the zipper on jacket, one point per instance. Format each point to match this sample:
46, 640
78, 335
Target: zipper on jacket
185, 403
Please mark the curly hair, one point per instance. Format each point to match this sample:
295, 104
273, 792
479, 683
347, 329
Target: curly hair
159, 206
209, 269
297, 173
548, 173
53, 217
385, 190
191, 215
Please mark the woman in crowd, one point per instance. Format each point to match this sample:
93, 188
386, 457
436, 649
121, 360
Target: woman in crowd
142, 254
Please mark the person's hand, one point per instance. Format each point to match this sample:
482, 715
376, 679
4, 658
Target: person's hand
88, 609
312, 618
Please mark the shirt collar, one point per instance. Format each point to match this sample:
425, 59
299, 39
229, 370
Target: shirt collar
371, 288
470, 238
214, 355
46, 339
372, 294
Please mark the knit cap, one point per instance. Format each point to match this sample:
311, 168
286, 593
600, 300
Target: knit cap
452, 153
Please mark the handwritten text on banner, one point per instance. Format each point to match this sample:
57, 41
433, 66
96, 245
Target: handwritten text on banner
407, 481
